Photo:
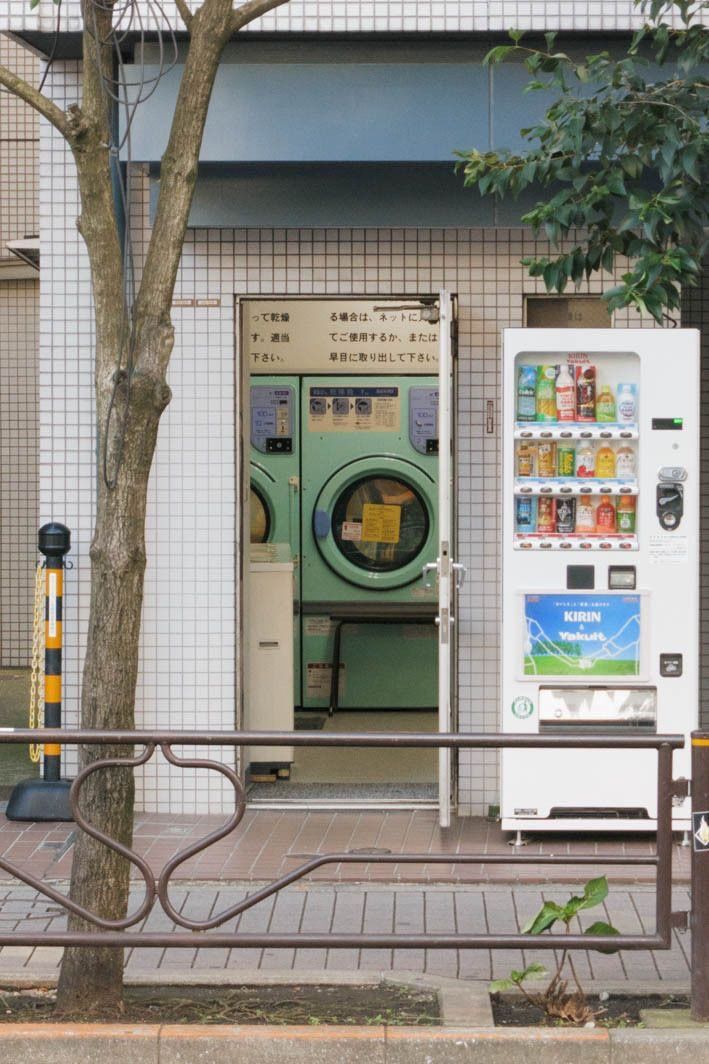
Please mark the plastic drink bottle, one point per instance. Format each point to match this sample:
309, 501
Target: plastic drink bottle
605, 517
625, 461
585, 514
527, 393
546, 393
605, 461
627, 404
585, 393
586, 460
565, 394
526, 460
605, 404
626, 513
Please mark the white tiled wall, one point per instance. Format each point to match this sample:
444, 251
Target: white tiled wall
188, 651
378, 16
19, 325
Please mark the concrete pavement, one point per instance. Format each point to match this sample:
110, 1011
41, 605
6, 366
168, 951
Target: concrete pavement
355, 907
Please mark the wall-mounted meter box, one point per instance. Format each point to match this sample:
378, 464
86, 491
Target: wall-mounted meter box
600, 567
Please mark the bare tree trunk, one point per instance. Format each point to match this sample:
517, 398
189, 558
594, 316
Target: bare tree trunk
136, 399
100, 878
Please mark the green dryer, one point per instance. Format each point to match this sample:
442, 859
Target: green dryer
369, 525
275, 477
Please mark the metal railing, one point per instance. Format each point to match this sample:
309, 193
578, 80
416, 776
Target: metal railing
157, 884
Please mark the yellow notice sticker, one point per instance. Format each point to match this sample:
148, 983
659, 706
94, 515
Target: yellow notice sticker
380, 523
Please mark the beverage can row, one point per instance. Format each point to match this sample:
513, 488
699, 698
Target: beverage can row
586, 515
547, 458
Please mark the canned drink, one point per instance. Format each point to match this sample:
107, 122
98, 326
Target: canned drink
525, 513
565, 515
546, 514
546, 458
566, 460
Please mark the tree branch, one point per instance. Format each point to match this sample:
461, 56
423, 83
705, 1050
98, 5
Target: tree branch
41, 103
185, 13
251, 10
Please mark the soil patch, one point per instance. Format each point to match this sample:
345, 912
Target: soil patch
620, 1010
383, 1004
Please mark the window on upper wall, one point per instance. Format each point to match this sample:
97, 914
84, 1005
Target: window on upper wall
566, 312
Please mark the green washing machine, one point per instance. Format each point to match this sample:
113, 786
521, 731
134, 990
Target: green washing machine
369, 496
275, 476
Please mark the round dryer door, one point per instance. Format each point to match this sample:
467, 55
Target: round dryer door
374, 522
260, 509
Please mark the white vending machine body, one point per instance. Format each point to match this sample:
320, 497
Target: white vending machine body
269, 705
600, 570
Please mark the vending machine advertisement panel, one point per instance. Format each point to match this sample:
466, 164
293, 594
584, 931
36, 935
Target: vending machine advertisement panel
600, 568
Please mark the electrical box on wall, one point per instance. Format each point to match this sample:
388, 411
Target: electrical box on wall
600, 567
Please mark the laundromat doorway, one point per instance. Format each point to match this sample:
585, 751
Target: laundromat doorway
347, 569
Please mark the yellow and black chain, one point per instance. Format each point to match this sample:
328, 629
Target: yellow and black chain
36, 712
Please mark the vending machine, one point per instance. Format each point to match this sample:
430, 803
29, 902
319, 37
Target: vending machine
600, 568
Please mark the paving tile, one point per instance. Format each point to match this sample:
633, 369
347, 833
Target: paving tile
440, 918
259, 847
409, 919
378, 918
286, 917
470, 919
347, 918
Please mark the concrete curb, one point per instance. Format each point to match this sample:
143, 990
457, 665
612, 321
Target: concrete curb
87, 1043
467, 1033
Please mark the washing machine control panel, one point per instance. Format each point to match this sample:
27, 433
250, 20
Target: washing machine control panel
423, 420
272, 419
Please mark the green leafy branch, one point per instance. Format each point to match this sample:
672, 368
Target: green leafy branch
623, 154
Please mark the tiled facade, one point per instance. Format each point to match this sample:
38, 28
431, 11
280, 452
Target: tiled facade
19, 323
195, 491
194, 488
379, 16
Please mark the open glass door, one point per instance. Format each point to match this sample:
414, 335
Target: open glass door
450, 572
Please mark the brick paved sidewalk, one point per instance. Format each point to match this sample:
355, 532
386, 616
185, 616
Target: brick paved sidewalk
353, 908
269, 843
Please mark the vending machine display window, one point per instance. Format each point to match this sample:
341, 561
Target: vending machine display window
576, 460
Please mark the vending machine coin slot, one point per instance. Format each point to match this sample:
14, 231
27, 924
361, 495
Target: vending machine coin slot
670, 505
279, 445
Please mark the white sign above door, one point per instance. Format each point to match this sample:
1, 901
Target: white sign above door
339, 336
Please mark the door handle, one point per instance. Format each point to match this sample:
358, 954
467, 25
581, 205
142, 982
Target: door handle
429, 567
461, 572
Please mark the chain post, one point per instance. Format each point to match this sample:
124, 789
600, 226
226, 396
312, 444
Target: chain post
47, 798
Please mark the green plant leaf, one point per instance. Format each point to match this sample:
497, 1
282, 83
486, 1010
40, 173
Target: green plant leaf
595, 892
497, 986
531, 971
549, 913
602, 928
